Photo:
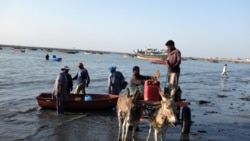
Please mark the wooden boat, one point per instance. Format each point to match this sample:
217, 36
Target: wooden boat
77, 102
157, 61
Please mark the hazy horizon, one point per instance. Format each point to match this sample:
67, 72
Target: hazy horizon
207, 28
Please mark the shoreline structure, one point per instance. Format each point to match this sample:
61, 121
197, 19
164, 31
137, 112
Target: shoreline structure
208, 59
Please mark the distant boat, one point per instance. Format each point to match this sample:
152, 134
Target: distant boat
151, 54
18, 50
157, 61
54, 58
69, 51
88, 52
48, 50
212, 60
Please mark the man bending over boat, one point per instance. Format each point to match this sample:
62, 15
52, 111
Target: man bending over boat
115, 81
60, 90
83, 79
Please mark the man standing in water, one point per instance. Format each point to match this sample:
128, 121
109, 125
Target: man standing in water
224, 71
60, 90
173, 65
47, 57
115, 81
69, 78
83, 79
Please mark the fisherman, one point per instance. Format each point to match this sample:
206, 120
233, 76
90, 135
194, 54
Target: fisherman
47, 57
224, 71
83, 79
137, 80
69, 78
60, 90
116, 81
173, 65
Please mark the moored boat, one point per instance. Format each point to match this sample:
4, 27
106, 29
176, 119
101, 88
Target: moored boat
151, 54
157, 61
212, 60
77, 102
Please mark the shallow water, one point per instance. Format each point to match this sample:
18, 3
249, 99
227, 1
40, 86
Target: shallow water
24, 75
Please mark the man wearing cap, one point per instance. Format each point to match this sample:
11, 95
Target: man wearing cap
69, 78
83, 79
173, 65
60, 89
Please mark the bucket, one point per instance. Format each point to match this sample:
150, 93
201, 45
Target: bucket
88, 98
151, 90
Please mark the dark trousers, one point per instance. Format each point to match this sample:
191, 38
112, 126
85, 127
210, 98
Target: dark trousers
59, 104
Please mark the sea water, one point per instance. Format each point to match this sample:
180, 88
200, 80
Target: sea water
23, 76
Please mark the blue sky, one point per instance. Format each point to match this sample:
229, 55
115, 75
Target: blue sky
200, 28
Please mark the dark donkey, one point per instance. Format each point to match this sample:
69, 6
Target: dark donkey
128, 113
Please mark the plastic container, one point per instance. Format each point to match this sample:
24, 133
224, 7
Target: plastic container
88, 98
151, 90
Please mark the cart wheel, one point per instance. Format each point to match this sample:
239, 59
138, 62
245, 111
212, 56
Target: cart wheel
186, 120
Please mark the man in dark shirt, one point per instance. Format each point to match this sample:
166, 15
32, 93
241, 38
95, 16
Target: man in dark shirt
60, 90
69, 78
83, 79
173, 65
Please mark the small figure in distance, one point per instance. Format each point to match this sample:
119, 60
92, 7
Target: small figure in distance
83, 79
47, 57
60, 90
115, 81
224, 71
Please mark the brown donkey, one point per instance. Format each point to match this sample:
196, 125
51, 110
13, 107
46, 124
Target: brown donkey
128, 113
160, 118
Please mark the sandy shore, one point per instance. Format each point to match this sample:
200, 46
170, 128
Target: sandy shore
211, 121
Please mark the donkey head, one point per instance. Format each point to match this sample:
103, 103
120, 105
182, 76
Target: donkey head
169, 108
132, 108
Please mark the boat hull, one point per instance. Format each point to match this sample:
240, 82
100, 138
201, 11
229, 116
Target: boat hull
157, 61
76, 102
149, 57
55, 59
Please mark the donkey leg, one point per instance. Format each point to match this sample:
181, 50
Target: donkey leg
163, 136
133, 132
126, 131
120, 127
163, 133
156, 135
149, 132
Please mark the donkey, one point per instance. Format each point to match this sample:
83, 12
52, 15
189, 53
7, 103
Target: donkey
128, 113
161, 117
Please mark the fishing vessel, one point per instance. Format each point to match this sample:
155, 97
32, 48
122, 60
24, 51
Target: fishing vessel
151, 53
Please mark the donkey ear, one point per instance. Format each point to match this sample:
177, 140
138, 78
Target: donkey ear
137, 93
161, 92
127, 92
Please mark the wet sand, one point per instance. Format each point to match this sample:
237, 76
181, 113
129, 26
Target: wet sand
210, 122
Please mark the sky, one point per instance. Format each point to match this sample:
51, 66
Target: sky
199, 28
